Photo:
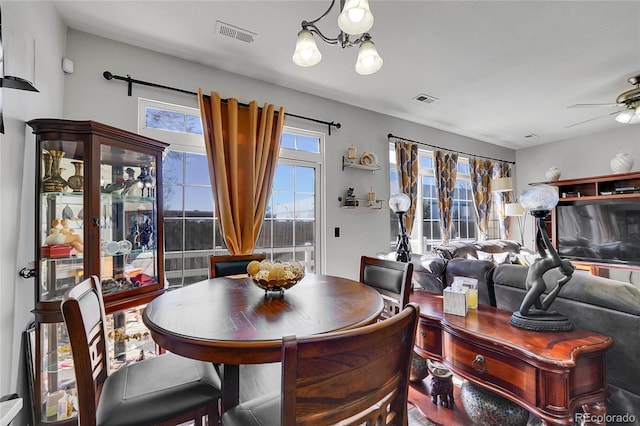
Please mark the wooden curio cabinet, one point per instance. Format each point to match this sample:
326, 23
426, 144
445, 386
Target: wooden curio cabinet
98, 212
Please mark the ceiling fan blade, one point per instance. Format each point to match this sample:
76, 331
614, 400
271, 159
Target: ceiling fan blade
592, 119
594, 105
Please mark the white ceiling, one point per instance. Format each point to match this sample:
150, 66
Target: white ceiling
501, 70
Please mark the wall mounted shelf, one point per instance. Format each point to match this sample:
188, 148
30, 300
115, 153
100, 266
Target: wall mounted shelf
353, 164
363, 203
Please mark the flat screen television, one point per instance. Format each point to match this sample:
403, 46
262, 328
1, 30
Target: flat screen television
601, 232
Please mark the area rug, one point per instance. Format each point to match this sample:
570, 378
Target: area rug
415, 417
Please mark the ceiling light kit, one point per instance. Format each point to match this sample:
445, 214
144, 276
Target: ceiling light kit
355, 19
629, 99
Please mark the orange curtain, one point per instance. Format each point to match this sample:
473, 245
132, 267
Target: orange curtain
242, 146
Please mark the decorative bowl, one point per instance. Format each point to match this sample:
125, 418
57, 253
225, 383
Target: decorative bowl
275, 276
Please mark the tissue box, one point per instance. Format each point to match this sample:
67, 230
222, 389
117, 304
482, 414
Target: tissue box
472, 293
455, 301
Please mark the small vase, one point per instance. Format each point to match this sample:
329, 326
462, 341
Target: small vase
76, 182
621, 163
55, 182
553, 173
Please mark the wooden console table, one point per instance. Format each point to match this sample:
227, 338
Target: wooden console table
549, 373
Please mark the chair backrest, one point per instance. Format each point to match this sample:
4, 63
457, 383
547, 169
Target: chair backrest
359, 376
232, 264
391, 279
84, 316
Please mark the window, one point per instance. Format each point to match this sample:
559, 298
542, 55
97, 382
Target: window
426, 233
192, 232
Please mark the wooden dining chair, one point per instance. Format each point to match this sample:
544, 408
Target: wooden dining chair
232, 264
391, 279
351, 377
162, 390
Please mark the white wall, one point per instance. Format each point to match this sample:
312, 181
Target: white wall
89, 96
17, 154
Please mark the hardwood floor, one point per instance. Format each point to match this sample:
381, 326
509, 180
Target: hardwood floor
256, 380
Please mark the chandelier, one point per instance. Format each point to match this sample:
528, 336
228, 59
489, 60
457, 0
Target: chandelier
354, 20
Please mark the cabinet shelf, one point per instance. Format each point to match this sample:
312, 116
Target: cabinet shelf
355, 165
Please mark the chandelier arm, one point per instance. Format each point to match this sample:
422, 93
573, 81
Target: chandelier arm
325, 13
310, 26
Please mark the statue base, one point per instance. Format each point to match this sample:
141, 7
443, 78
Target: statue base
541, 321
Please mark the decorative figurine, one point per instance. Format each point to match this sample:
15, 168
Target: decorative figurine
146, 235
350, 200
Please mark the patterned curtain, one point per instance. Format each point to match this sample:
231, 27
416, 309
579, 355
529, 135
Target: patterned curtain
242, 146
501, 169
446, 170
407, 163
481, 170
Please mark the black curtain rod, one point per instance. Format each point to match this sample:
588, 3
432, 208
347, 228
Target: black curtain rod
130, 81
389, 136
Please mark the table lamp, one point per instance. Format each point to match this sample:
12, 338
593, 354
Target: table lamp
516, 210
400, 204
539, 200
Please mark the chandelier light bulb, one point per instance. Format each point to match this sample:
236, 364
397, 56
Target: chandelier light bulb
369, 61
356, 17
306, 53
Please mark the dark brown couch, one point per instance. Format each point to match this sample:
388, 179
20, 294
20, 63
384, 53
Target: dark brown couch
477, 259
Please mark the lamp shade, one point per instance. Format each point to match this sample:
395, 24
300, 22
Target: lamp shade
306, 53
356, 17
399, 202
513, 209
503, 184
539, 198
369, 61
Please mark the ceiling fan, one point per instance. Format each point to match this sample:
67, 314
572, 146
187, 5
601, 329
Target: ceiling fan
629, 101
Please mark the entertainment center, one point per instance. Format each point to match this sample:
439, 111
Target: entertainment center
596, 223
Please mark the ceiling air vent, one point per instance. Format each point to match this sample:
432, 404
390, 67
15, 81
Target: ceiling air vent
234, 32
531, 135
425, 98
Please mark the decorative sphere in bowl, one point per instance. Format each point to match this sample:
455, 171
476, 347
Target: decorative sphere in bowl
275, 276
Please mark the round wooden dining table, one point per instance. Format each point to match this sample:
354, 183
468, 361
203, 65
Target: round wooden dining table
231, 321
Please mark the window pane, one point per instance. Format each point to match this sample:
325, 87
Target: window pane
282, 205
264, 239
173, 234
172, 167
166, 120
198, 234
198, 201
283, 180
194, 125
305, 179
305, 230
197, 170
307, 143
288, 141
426, 162
305, 206
283, 233
172, 200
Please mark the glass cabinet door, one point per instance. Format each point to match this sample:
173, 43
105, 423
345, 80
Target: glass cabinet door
128, 220
61, 233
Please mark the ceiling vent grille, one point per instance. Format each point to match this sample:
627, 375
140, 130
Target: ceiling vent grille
234, 32
425, 99
531, 135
